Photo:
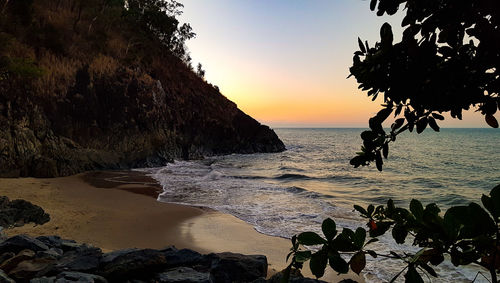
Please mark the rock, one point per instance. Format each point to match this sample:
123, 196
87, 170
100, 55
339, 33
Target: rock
69, 245
21, 242
260, 280
184, 275
6, 256
43, 280
18, 212
5, 279
83, 260
28, 269
184, 257
131, 264
79, 277
54, 253
232, 267
11, 263
51, 241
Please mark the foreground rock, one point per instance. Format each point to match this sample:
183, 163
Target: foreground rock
52, 260
19, 212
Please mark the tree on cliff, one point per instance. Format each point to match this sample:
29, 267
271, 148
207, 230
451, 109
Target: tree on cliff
447, 61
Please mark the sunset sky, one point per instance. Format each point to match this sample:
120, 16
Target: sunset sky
285, 62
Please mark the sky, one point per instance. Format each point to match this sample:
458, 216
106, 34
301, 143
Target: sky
285, 62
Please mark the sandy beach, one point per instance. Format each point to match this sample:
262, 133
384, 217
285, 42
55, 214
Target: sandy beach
118, 210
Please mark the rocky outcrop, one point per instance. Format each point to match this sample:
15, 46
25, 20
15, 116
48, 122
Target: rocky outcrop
122, 122
79, 93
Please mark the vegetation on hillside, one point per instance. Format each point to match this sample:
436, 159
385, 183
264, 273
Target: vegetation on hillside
448, 61
44, 43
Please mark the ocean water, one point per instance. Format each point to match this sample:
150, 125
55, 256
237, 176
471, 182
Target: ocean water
282, 194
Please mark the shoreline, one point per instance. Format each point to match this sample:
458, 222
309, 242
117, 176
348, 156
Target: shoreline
118, 209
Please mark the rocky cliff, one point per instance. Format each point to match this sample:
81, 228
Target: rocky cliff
74, 98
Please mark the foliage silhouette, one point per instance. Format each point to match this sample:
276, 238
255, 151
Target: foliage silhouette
447, 61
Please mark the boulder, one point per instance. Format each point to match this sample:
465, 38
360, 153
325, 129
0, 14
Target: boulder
12, 262
232, 267
51, 241
79, 277
4, 278
43, 280
32, 268
54, 253
184, 275
6, 256
83, 260
131, 264
21, 242
18, 212
184, 257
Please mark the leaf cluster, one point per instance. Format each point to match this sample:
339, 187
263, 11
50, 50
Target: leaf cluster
467, 234
447, 61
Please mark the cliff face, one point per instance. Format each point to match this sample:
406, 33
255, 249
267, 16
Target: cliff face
102, 110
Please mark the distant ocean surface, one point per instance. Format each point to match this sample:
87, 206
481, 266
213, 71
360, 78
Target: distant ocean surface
282, 194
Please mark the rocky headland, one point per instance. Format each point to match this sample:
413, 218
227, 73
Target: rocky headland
85, 87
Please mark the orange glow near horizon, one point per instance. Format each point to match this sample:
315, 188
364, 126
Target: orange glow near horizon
285, 63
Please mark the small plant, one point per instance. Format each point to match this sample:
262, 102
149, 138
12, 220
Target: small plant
467, 234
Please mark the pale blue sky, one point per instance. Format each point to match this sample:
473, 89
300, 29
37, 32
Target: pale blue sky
285, 62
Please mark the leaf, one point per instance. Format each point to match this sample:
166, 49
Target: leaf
491, 121
361, 46
361, 210
371, 209
383, 114
417, 209
358, 262
368, 135
399, 233
398, 123
421, 125
385, 150
429, 269
310, 239
339, 264
302, 256
329, 228
412, 276
378, 160
318, 263
433, 124
373, 240
372, 253
359, 237
437, 116
386, 36
373, 4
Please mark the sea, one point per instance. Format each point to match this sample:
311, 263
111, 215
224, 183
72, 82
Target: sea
283, 194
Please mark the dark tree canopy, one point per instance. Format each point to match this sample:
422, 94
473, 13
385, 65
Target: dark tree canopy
447, 61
